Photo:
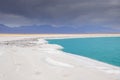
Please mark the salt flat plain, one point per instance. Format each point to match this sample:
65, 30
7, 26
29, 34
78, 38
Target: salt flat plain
30, 57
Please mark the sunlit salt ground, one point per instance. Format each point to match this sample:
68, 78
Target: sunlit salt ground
35, 59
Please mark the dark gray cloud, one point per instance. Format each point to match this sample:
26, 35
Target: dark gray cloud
60, 12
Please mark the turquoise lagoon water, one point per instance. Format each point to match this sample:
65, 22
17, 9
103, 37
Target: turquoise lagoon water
105, 49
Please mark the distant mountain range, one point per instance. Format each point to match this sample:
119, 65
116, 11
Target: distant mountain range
51, 29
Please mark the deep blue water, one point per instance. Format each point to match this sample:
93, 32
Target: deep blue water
105, 49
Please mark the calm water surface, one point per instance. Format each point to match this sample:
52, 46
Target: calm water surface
105, 49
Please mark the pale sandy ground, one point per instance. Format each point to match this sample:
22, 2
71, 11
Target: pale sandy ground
35, 59
8, 37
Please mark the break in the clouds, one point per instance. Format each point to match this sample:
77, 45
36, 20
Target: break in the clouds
74, 13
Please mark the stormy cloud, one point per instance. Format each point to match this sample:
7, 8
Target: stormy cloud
73, 13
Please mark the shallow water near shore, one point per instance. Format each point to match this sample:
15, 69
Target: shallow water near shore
105, 49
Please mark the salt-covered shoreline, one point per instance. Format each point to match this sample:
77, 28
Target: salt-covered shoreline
93, 63
35, 59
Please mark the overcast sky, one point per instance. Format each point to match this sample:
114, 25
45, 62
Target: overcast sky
57, 13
